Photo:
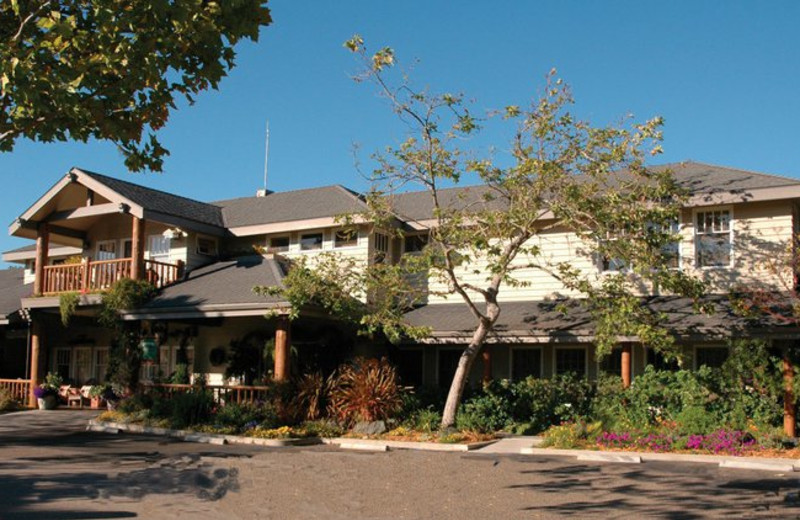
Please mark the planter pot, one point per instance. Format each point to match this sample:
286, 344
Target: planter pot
96, 403
48, 403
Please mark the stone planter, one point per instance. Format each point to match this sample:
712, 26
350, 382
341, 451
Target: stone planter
49, 402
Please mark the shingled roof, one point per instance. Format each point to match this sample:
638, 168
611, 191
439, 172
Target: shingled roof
221, 286
543, 320
327, 201
162, 201
12, 290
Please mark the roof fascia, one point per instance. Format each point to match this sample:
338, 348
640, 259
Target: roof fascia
292, 225
52, 253
743, 196
106, 192
181, 222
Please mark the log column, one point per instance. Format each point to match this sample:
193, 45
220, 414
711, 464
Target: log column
626, 364
282, 339
789, 417
137, 248
486, 357
42, 247
36, 342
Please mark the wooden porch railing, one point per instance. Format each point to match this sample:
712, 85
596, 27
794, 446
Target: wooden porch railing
223, 394
19, 388
99, 275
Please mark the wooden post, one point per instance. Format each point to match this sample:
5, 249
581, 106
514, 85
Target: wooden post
42, 246
789, 418
486, 357
36, 339
626, 365
282, 339
137, 248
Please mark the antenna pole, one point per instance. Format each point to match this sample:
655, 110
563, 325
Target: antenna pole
266, 157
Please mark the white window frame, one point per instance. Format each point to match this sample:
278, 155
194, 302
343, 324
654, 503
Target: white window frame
95, 365
310, 233
572, 347
355, 234
159, 257
105, 242
731, 235
213, 240
525, 347
288, 245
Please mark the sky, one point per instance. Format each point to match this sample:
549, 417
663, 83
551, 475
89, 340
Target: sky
725, 75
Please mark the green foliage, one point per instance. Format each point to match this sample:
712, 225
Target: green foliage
323, 428
124, 294
487, 412
7, 401
424, 420
67, 303
572, 434
250, 358
239, 415
181, 375
52, 381
113, 70
312, 395
191, 408
364, 390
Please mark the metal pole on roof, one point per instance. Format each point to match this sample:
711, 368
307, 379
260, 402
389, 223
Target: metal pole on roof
266, 157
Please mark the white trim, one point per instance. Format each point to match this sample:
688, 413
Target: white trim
511, 350
200, 237
110, 241
292, 226
321, 247
268, 240
572, 347
53, 252
731, 234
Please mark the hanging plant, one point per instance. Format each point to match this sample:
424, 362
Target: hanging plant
67, 303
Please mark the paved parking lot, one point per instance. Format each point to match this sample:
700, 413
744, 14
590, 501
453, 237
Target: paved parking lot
50, 468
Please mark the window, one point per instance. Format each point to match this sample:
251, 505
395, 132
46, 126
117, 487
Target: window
659, 362
526, 362
206, 246
63, 358
571, 360
127, 248
311, 241
381, 247
83, 365
612, 363
346, 238
714, 238
159, 247
106, 250
415, 243
671, 252
712, 357
278, 245
609, 263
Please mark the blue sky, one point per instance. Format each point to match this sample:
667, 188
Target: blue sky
725, 75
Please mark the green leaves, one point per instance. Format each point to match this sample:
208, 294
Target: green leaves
112, 70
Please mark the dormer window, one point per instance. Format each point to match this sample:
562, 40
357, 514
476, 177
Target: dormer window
415, 243
381, 247
206, 246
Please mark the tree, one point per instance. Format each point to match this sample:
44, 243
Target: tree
561, 174
111, 69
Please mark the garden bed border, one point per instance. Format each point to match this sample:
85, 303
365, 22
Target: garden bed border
376, 444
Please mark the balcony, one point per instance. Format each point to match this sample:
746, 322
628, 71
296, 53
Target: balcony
98, 275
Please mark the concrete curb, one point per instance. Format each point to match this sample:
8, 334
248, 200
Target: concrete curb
407, 445
780, 465
192, 436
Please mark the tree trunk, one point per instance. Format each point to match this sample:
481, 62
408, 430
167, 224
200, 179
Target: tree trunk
460, 378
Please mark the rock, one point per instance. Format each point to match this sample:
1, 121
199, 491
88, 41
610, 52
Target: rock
370, 428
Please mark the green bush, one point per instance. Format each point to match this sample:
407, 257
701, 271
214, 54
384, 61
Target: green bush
489, 410
424, 420
7, 401
245, 414
191, 408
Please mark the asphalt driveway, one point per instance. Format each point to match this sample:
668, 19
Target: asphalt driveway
51, 468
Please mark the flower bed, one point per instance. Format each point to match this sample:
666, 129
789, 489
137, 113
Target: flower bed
404, 434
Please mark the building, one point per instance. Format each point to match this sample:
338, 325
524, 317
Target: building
90, 230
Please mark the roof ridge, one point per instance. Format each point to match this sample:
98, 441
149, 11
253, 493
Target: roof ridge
792, 180
298, 190
171, 194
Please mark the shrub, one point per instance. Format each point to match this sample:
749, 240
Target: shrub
312, 395
322, 428
7, 401
244, 415
424, 420
571, 435
365, 390
488, 411
191, 408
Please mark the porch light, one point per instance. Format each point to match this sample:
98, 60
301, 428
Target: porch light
149, 349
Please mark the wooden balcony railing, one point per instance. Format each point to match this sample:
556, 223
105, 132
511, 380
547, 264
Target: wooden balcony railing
18, 388
99, 275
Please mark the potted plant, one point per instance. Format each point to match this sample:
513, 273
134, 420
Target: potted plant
47, 393
96, 396
111, 396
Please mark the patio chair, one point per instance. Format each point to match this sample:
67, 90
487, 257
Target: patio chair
74, 397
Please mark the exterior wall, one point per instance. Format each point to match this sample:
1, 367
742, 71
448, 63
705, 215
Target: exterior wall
762, 232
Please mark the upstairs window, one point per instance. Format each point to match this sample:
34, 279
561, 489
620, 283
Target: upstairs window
278, 245
346, 238
415, 243
311, 241
609, 263
671, 253
714, 238
381, 247
206, 246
